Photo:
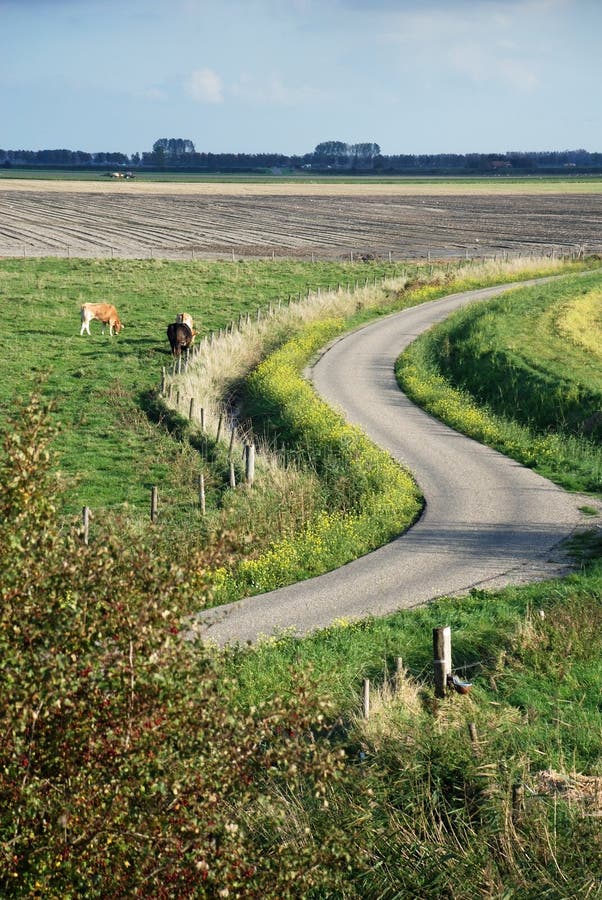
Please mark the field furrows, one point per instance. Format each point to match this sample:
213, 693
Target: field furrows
56, 223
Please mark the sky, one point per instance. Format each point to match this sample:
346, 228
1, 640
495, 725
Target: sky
281, 76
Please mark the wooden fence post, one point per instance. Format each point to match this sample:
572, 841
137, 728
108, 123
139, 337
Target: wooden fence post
441, 658
474, 740
191, 409
249, 463
202, 493
366, 698
154, 504
219, 427
86, 523
232, 475
203, 419
163, 380
232, 434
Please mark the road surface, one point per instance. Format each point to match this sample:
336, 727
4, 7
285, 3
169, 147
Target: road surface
488, 521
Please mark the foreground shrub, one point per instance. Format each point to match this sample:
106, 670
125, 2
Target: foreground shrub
124, 769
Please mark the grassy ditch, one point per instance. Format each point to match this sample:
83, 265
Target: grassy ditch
515, 374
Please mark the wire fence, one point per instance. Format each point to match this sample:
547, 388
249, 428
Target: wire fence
515, 250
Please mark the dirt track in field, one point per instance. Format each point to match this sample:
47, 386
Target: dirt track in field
329, 221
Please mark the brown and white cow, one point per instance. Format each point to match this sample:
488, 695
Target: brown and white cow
104, 312
185, 319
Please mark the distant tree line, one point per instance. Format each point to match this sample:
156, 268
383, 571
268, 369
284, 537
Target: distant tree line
179, 154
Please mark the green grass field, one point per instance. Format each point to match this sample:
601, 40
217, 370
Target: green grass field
109, 453
537, 183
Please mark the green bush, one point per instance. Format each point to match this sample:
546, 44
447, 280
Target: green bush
124, 769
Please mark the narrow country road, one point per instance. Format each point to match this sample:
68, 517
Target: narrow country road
488, 521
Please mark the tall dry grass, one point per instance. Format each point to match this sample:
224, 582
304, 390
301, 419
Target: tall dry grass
214, 375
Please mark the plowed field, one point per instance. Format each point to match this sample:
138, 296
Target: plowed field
184, 221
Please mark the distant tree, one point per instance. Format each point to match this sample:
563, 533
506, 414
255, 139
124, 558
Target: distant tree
332, 153
159, 155
173, 148
363, 155
338, 155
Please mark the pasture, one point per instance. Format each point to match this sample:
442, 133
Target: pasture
132, 763
110, 452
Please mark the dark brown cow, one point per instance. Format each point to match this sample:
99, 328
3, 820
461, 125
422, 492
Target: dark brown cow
180, 337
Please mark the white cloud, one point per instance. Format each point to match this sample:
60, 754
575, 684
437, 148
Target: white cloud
205, 86
273, 91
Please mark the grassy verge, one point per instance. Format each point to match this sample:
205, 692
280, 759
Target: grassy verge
420, 785
505, 374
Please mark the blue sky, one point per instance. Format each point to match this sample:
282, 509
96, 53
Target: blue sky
414, 76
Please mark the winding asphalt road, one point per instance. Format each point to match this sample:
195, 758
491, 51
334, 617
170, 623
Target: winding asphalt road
488, 521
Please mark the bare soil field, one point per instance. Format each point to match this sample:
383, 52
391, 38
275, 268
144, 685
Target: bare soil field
183, 221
